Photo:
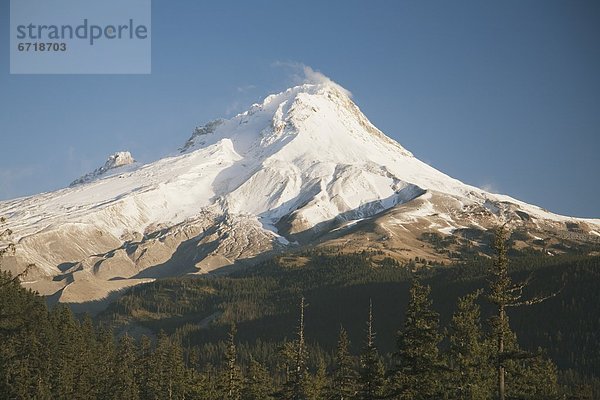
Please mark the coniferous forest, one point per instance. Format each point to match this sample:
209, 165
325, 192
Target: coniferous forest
319, 325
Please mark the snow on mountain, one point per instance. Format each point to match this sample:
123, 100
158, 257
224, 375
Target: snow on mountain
114, 165
303, 162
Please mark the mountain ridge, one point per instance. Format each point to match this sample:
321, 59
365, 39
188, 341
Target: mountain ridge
304, 167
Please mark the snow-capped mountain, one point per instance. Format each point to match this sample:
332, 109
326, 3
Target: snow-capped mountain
303, 167
119, 162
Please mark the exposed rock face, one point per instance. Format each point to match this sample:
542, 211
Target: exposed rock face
304, 167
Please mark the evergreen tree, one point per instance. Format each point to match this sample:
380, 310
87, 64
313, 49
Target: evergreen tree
66, 360
259, 385
104, 364
286, 364
372, 370
417, 362
296, 386
91, 368
177, 374
503, 293
145, 376
470, 375
233, 378
205, 384
164, 373
319, 383
126, 370
343, 383
25, 351
532, 379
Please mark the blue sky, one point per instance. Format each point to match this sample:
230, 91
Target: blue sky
503, 95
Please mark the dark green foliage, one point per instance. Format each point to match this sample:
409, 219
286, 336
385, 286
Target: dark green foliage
574, 307
372, 371
233, 376
168, 380
417, 363
126, 370
259, 385
24, 329
344, 376
297, 382
470, 375
535, 379
319, 382
529, 376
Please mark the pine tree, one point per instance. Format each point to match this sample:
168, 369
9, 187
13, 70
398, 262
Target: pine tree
145, 375
343, 383
104, 363
25, 351
233, 379
296, 386
319, 383
417, 361
176, 371
205, 384
159, 384
67, 345
503, 293
259, 385
90, 367
125, 371
372, 370
470, 375
532, 379
286, 364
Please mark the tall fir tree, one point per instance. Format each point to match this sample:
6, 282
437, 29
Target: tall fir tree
145, 375
503, 294
66, 363
296, 386
417, 362
372, 370
233, 374
532, 379
286, 362
165, 372
177, 371
470, 375
205, 384
104, 363
259, 385
126, 370
91, 367
319, 382
343, 383
26, 335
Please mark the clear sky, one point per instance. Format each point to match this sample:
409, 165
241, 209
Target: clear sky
504, 95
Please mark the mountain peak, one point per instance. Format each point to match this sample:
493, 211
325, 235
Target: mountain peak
321, 108
303, 166
118, 159
114, 162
